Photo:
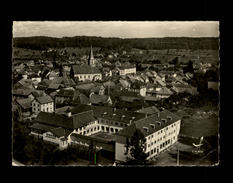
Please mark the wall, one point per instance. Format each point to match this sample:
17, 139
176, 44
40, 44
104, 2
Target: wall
90, 77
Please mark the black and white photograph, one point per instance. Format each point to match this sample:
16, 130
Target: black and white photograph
115, 93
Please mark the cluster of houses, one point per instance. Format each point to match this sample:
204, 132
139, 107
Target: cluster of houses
71, 104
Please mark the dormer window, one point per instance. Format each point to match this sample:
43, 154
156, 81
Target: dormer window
164, 120
169, 118
146, 129
159, 123
152, 126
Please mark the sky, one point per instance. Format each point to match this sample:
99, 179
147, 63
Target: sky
121, 29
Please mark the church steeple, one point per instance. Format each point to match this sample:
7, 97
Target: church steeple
91, 60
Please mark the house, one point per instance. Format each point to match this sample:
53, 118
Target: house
44, 103
72, 97
163, 92
85, 72
127, 69
24, 83
107, 71
138, 88
149, 110
52, 75
124, 83
22, 93
110, 119
25, 106
145, 78
99, 89
160, 131
57, 128
35, 77
186, 88
100, 99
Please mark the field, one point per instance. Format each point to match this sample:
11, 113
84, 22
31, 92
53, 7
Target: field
166, 55
198, 122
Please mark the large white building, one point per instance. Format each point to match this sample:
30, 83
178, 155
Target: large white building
129, 69
161, 131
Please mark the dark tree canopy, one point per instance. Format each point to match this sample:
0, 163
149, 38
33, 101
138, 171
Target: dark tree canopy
136, 147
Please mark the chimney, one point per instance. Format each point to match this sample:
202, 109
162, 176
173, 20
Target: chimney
146, 129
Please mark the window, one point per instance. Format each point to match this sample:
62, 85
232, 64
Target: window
102, 127
151, 136
148, 145
125, 125
87, 131
116, 130
151, 152
84, 132
116, 123
111, 129
38, 105
91, 130
160, 146
121, 124
98, 128
107, 129
151, 143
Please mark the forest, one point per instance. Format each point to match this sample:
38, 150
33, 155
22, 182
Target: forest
43, 43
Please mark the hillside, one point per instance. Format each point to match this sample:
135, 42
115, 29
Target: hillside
41, 43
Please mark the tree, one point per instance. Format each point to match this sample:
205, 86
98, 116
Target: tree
136, 146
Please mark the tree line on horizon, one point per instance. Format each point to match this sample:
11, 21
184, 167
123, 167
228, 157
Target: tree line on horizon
43, 43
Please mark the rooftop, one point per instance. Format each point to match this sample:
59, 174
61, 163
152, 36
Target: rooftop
44, 99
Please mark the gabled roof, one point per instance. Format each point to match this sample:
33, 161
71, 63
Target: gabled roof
75, 121
107, 112
60, 132
23, 92
96, 99
82, 119
85, 69
86, 86
44, 99
25, 103
146, 122
149, 110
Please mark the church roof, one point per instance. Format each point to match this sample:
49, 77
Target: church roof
85, 69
